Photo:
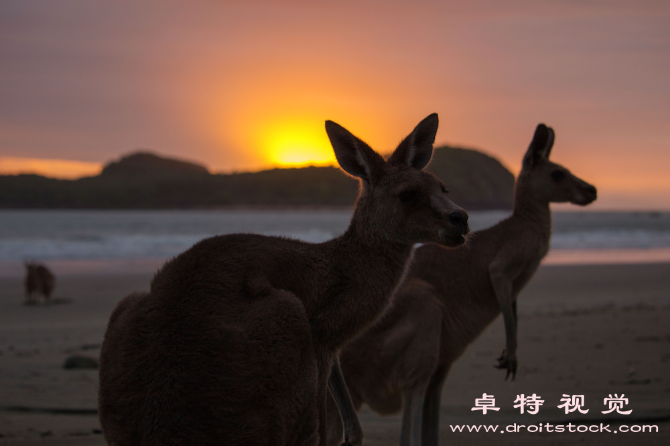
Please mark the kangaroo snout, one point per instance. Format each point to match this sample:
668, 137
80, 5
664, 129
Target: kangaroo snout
588, 194
592, 191
453, 234
453, 219
459, 218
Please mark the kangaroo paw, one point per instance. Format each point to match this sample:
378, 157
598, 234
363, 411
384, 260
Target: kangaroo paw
507, 363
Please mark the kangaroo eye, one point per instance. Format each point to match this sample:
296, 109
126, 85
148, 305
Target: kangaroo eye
444, 189
408, 196
558, 175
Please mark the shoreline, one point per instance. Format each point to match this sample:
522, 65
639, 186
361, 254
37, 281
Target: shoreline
149, 265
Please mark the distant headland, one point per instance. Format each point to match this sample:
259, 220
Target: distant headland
145, 180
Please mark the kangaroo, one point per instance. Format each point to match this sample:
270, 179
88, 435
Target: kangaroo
235, 341
451, 296
39, 280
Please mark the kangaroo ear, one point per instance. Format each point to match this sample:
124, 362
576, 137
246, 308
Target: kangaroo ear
550, 143
540, 146
354, 156
417, 149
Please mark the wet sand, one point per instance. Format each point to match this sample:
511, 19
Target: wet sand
589, 330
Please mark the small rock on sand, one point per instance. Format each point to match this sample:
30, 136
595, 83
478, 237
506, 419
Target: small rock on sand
80, 362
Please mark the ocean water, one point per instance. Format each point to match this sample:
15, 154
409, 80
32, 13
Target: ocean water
99, 241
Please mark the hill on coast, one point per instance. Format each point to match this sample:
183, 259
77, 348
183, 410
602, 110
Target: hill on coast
147, 181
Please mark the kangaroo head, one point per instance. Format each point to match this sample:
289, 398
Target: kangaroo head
550, 182
398, 201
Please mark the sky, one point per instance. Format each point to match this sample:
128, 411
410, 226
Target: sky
247, 85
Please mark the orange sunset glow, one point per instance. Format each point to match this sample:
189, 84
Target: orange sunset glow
49, 167
248, 86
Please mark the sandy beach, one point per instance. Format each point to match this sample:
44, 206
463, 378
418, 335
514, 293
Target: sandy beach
591, 330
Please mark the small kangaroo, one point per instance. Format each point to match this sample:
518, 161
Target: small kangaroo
450, 297
235, 340
39, 280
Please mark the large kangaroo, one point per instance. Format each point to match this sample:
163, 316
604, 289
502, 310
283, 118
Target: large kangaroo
450, 296
235, 340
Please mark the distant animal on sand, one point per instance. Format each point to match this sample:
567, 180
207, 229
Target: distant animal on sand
235, 341
450, 297
39, 281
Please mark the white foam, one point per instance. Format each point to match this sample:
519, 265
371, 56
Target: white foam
69, 236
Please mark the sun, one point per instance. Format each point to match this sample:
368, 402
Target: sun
297, 143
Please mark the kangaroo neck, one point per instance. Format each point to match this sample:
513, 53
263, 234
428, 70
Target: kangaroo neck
378, 254
384, 256
364, 271
531, 210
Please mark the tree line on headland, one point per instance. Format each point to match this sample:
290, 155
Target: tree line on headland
146, 181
